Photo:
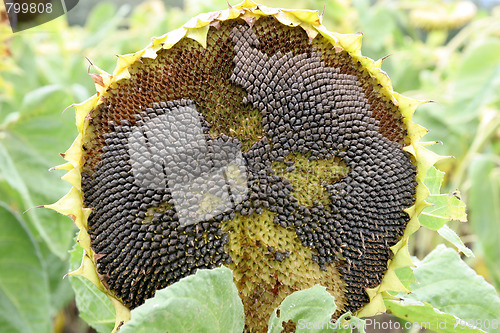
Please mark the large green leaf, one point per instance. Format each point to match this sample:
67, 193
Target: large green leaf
452, 237
476, 71
483, 199
61, 292
451, 286
445, 207
24, 288
94, 306
27, 175
29, 146
379, 23
205, 302
311, 309
424, 316
476, 81
103, 21
9, 174
48, 226
34, 130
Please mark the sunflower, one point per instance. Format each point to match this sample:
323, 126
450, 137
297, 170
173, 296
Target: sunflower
252, 138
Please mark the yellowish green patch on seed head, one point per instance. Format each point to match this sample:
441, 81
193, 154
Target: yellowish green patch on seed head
309, 178
269, 263
162, 208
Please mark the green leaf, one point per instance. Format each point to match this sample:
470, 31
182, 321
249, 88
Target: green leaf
445, 207
55, 229
9, 174
423, 315
434, 180
103, 21
406, 276
483, 199
451, 236
311, 309
476, 71
24, 288
61, 292
450, 286
29, 146
347, 322
35, 98
94, 306
379, 23
35, 130
205, 302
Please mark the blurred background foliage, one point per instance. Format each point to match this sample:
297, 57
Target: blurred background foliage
446, 52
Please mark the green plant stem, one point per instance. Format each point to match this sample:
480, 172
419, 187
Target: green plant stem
486, 130
483, 27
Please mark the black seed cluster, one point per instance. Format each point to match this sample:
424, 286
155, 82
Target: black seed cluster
266, 190
278, 255
317, 110
135, 230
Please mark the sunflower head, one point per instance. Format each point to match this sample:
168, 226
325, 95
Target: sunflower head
252, 138
442, 15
